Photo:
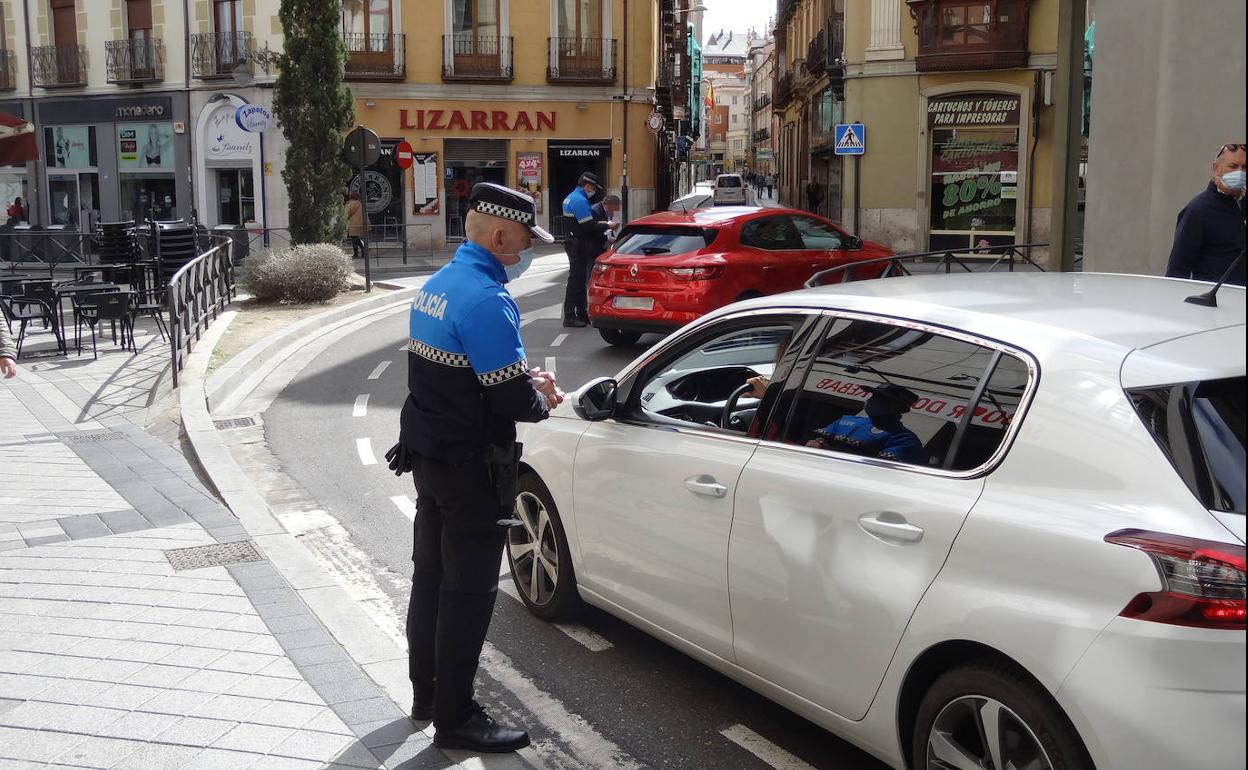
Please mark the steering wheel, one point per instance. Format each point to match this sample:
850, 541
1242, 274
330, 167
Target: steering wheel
730, 405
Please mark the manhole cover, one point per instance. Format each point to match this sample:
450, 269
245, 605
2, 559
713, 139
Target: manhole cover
234, 422
215, 555
87, 437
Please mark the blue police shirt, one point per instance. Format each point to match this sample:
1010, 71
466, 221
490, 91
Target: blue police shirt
860, 436
576, 207
467, 378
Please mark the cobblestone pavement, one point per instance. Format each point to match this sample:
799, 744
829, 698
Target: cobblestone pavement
139, 628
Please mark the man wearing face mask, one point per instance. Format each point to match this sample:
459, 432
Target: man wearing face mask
468, 385
1209, 235
584, 236
881, 433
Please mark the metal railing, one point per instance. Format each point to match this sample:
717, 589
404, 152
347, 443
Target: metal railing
762, 134
59, 66
197, 293
8, 75
987, 259
375, 57
762, 102
580, 60
218, 54
783, 91
135, 60
817, 53
476, 57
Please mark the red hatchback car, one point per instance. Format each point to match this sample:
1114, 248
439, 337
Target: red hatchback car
667, 269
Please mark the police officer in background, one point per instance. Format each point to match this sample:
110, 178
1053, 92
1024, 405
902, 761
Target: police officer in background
583, 236
468, 385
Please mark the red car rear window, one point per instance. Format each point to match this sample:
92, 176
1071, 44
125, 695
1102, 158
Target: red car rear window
652, 240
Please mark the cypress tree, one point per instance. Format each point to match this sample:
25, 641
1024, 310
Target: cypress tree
314, 107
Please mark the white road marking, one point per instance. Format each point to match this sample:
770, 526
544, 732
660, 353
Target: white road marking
405, 506
764, 749
548, 313
593, 641
365, 448
361, 405
558, 340
403, 349
381, 367
550, 364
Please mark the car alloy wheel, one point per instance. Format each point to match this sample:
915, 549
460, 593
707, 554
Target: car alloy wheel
976, 731
534, 550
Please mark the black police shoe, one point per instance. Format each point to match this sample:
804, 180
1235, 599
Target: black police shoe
481, 733
422, 712
574, 323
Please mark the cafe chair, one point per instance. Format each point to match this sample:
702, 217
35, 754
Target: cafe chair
112, 306
25, 312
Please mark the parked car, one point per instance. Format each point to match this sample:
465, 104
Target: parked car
730, 190
1056, 579
666, 269
698, 199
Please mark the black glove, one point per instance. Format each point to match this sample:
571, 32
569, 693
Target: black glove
399, 459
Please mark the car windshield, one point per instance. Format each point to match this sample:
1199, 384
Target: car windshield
649, 241
1200, 427
728, 181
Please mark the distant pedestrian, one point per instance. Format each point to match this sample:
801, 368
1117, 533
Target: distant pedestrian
355, 224
16, 211
8, 351
814, 196
770, 184
1209, 234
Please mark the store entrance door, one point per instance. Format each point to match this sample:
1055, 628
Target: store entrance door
469, 161
568, 160
236, 201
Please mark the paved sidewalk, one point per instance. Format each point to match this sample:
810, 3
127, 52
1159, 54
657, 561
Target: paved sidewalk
139, 627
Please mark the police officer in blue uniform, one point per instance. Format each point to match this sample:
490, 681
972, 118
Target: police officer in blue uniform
468, 385
879, 434
582, 241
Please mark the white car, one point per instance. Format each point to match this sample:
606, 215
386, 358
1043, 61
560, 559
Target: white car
729, 190
1042, 566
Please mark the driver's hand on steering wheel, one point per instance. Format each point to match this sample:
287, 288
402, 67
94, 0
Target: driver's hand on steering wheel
758, 386
817, 443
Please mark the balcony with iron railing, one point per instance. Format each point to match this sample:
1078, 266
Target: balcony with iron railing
217, 54
135, 60
762, 134
836, 47
956, 35
762, 103
476, 57
375, 57
817, 54
580, 60
783, 92
59, 66
8, 75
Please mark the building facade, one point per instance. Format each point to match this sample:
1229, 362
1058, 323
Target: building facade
760, 76
953, 97
133, 102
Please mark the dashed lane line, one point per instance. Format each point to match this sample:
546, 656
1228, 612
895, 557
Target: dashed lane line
550, 364
364, 447
559, 340
405, 505
764, 749
361, 406
381, 367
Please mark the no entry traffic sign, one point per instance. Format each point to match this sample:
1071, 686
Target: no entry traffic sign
404, 156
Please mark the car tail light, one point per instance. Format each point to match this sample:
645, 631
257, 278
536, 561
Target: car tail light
696, 273
1203, 581
601, 267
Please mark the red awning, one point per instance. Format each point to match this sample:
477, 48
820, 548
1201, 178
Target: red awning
17, 141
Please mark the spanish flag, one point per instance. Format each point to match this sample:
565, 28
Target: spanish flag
710, 96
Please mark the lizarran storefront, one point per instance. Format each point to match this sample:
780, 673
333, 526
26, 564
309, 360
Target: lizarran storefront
540, 146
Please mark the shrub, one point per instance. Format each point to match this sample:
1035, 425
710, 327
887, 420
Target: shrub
313, 272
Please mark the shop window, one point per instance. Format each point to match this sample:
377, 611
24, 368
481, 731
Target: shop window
974, 189
965, 35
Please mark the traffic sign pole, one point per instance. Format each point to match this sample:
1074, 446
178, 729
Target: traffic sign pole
368, 272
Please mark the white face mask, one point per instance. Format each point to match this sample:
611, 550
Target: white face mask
1234, 180
515, 271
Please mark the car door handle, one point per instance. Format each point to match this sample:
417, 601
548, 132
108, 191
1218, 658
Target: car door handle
706, 486
890, 526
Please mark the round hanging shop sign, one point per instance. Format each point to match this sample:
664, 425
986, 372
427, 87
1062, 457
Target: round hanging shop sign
253, 118
655, 122
378, 193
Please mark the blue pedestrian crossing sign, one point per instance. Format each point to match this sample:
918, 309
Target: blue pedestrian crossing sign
851, 139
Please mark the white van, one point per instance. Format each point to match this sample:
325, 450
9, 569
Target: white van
729, 190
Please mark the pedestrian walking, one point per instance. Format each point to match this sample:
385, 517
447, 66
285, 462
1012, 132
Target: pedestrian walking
770, 184
355, 224
8, 351
1209, 234
468, 385
814, 196
583, 235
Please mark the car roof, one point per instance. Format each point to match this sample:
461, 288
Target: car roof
1034, 310
717, 216
721, 176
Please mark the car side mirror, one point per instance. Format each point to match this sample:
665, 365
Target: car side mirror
853, 242
596, 400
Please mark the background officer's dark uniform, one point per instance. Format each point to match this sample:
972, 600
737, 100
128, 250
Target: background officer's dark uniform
468, 384
584, 234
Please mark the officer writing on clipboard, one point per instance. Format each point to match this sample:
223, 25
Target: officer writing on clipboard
584, 237
468, 385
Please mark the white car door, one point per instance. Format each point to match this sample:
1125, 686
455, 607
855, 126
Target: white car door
836, 536
654, 485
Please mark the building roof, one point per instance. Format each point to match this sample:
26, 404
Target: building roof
727, 43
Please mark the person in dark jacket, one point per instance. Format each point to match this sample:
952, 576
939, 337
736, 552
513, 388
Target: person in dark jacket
583, 235
468, 385
1209, 234
605, 210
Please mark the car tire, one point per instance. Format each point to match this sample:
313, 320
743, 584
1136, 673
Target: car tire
1029, 722
619, 336
555, 596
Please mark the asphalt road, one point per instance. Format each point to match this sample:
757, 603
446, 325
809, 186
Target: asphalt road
594, 693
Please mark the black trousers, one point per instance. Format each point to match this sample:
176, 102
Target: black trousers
576, 296
357, 247
457, 552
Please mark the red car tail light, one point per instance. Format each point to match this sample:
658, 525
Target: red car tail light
601, 267
696, 273
1203, 581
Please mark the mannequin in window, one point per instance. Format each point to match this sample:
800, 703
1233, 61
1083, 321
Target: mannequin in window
880, 433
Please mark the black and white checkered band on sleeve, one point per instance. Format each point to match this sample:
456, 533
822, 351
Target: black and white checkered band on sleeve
437, 356
499, 376
495, 210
